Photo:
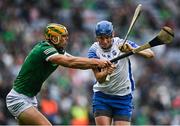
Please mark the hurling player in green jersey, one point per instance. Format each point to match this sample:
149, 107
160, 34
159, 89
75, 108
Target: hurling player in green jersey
43, 59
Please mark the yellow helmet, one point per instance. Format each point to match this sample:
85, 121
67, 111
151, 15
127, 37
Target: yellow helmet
54, 29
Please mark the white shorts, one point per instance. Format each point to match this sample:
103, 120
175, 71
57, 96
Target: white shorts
17, 103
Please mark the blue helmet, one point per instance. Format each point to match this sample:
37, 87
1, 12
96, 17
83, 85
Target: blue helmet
104, 28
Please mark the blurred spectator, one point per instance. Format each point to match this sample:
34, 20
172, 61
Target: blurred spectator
79, 111
49, 108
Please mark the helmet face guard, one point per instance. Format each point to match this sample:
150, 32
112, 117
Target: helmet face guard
104, 28
55, 30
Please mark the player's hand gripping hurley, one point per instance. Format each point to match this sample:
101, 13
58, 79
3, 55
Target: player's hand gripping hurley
165, 36
136, 15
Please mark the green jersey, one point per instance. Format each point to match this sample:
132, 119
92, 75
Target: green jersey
36, 69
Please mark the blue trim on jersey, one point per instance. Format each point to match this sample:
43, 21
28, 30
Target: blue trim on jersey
133, 44
92, 53
130, 76
116, 105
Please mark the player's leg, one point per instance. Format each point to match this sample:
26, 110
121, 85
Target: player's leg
122, 123
32, 116
102, 117
122, 120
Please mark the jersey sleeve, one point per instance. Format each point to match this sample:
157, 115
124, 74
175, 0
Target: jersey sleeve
48, 51
92, 52
133, 44
120, 41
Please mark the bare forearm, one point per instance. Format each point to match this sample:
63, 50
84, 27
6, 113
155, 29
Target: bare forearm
73, 62
80, 63
146, 53
100, 76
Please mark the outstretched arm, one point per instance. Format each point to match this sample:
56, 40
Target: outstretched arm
79, 62
148, 53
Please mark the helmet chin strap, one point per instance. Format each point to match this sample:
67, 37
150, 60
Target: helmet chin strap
58, 40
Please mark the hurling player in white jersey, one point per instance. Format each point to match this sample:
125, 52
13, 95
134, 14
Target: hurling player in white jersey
112, 100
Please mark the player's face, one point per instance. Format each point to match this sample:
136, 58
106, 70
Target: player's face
61, 41
105, 42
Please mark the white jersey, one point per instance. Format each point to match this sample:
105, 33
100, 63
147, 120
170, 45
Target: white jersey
121, 80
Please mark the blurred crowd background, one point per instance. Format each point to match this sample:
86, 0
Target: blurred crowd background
65, 98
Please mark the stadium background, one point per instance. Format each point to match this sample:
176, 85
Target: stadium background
66, 96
